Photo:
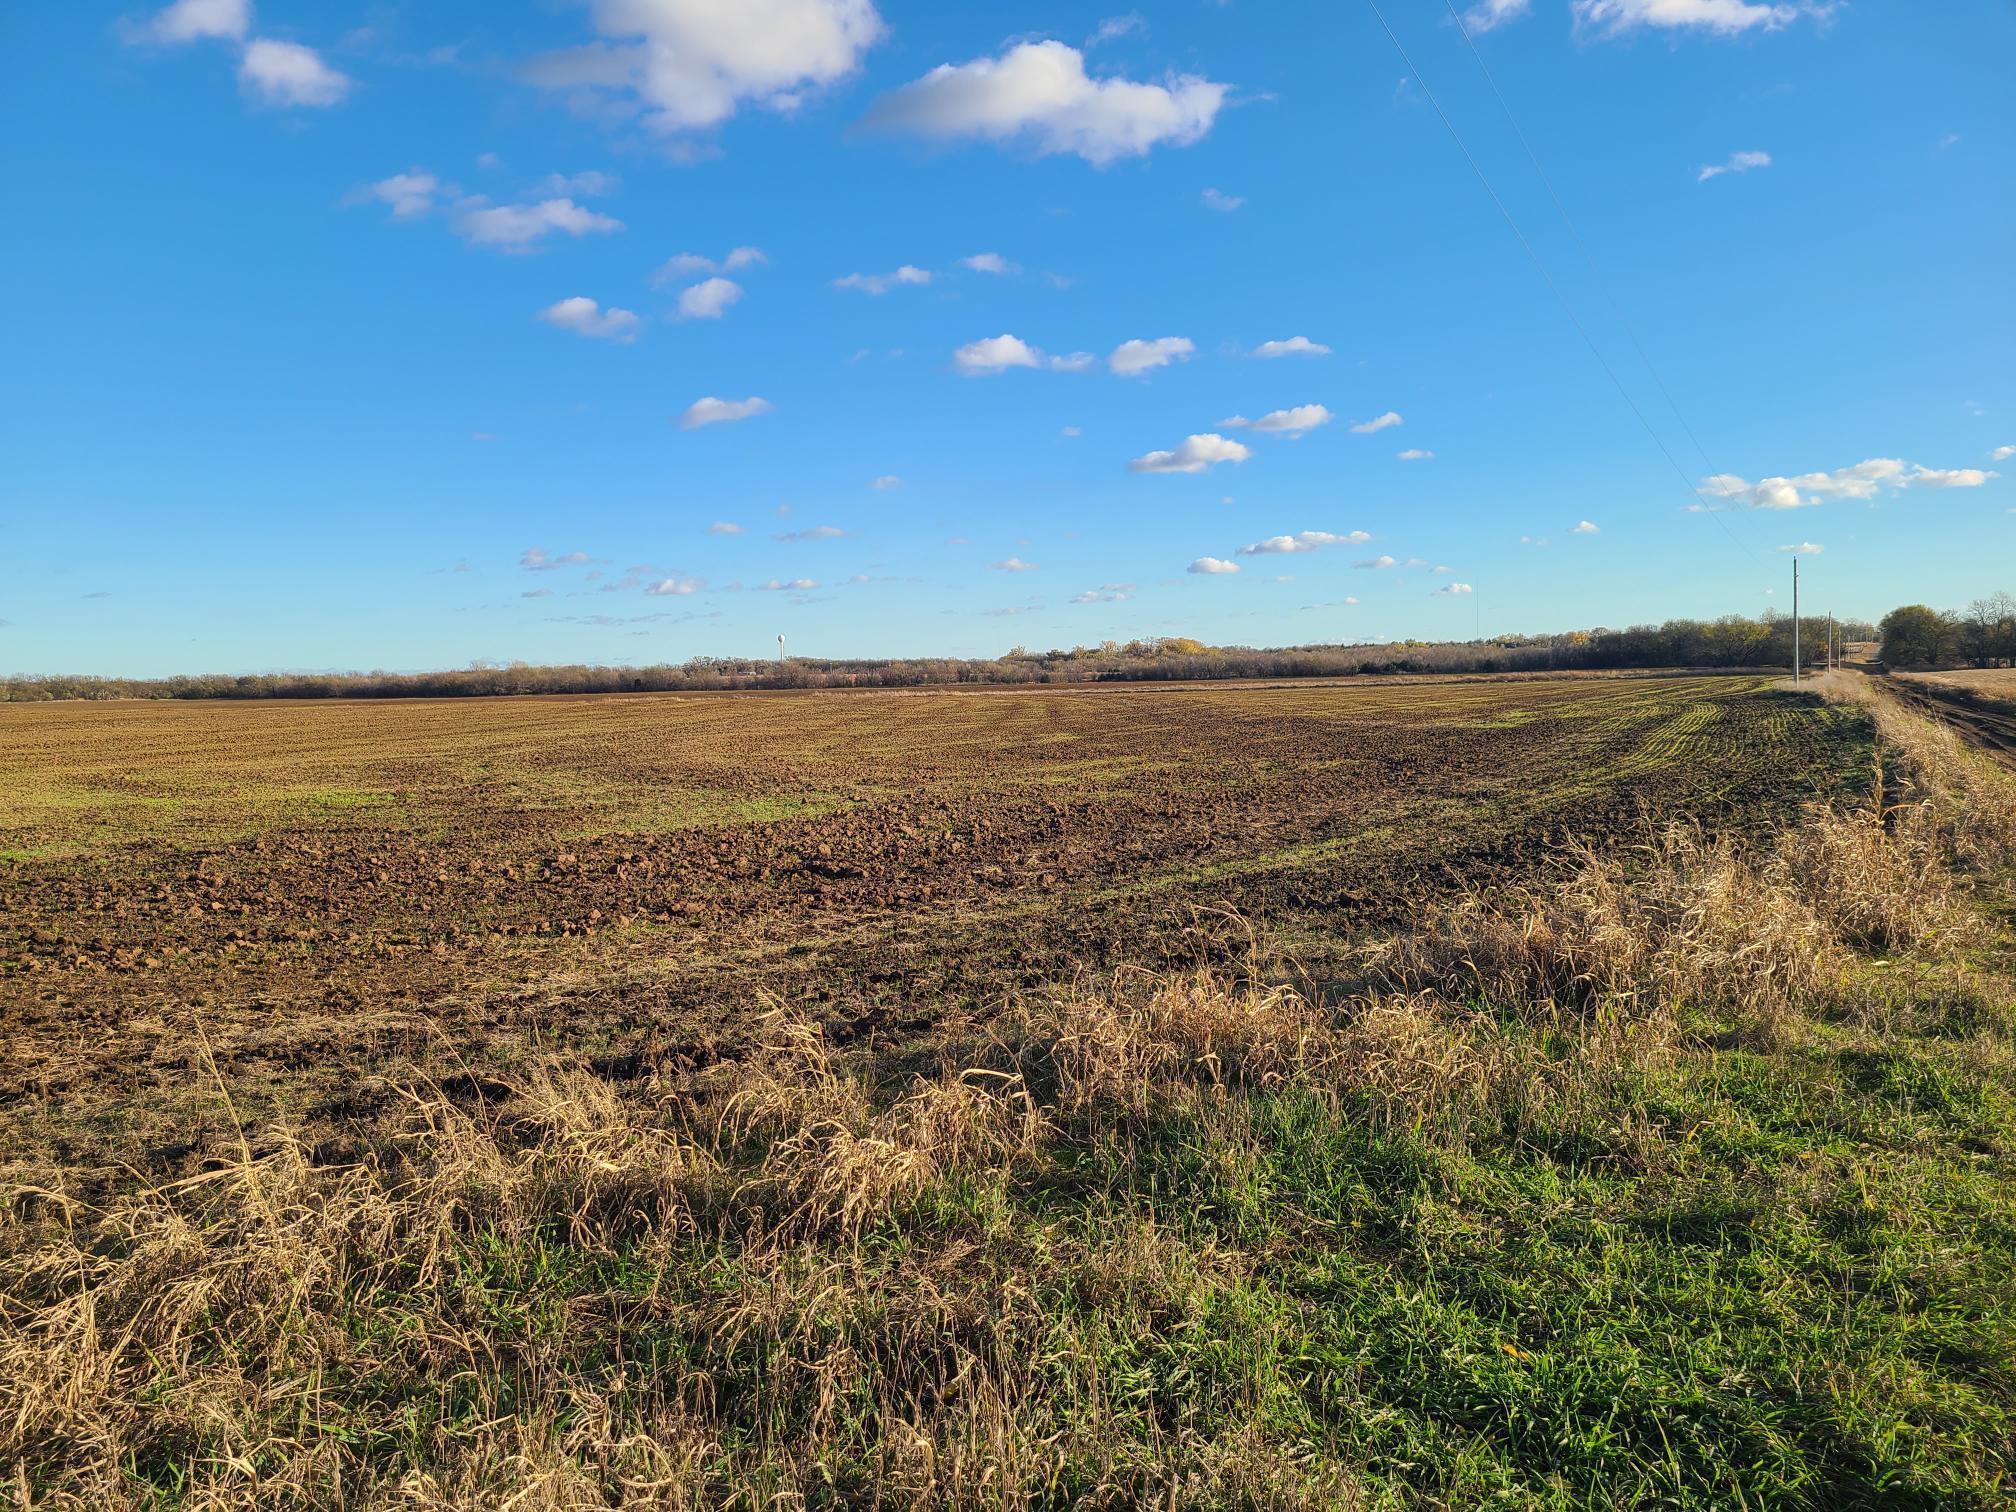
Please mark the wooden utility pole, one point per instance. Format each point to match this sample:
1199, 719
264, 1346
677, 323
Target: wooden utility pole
1795, 619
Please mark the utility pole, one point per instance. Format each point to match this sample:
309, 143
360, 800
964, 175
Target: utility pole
1795, 619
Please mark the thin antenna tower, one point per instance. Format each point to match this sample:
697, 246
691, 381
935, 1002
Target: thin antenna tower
1795, 619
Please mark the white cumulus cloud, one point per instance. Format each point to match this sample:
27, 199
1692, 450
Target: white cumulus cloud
1294, 346
2002, 454
1377, 564
689, 64
1724, 17
712, 411
1131, 358
584, 317
1193, 456
1211, 566
1586, 527
1038, 94
1377, 423
1863, 480
286, 73
708, 300
1452, 590
996, 354
674, 587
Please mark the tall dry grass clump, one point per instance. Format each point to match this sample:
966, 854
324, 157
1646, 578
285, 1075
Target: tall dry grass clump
1927, 777
1758, 927
1683, 921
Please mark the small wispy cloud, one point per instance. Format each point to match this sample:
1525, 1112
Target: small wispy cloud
811, 533
1193, 456
882, 283
538, 559
1488, 14
1804, 548
1117, 26
1377, 423
591, 184
708, 300
1586, 527
1132, 358
990, 262
1452, 590
521, 228
1283, 422
1219, 200
712, 411
584, 317
1415, 454
1303, 540
692, 264
1736, 162
1014, 564
1294, 346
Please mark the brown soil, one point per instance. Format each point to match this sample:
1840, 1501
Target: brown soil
328, 897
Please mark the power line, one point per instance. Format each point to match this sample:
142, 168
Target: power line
1554, 288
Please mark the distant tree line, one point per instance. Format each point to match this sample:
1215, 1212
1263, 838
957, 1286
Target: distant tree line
1982, 635
1728, 643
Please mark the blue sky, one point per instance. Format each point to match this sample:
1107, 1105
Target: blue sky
400, 335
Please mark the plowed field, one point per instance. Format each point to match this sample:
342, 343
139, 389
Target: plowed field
323, 897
